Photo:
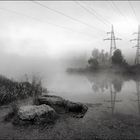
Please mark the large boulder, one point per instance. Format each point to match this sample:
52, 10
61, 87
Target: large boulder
76, 107
35, 114
61, 105
51, 100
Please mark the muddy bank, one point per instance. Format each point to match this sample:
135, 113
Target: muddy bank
97, 123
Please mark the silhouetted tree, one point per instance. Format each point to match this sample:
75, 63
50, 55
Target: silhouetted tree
100, 56
118, 59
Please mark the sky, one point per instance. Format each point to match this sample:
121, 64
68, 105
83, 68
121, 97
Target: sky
58, 29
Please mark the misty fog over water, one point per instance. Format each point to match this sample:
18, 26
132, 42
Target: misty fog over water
86, 88
33, 41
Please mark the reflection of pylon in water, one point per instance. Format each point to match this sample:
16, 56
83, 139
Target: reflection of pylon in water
112, 42
113, 99
138, 95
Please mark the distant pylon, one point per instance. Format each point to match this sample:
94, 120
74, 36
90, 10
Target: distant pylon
137, 58
112, 41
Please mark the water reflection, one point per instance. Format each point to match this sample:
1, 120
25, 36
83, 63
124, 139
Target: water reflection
102, 82
137, 82
115, 86
114, 91
113, 100
112, 85
138, 94
99, 83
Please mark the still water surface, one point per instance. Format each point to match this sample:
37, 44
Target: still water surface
116, 93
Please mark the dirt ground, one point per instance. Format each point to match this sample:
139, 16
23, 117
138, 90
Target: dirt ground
98, 123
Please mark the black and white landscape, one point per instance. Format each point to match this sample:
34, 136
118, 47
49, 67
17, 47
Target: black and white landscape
69, 70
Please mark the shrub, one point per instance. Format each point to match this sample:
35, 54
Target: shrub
11, 90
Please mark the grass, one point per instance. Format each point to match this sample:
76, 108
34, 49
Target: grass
11, 90
14, 93
12, 113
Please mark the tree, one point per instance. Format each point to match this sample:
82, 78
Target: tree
93, 62
95, 53
117, 58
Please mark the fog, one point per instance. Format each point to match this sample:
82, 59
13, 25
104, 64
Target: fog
36, 39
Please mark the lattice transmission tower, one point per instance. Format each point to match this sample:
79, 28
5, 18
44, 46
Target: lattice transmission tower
112, 41
137, 57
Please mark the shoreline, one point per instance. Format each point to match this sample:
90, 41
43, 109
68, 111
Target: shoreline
97, 123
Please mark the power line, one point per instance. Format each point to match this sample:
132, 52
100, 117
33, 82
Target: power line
133, 10
118, 10
97, 15
94, 13
36, 19
70, 17
107, 21
113, 3
114, 7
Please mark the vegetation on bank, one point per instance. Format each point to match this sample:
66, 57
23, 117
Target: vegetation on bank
11, 90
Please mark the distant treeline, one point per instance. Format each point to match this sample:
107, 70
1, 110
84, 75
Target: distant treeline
102, 61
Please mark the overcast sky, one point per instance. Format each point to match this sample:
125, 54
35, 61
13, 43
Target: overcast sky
27, 28
56, 29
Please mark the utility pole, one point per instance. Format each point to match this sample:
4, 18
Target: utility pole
137, 58
112, 41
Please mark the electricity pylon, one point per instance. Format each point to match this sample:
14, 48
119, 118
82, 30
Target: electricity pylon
112, 41
137, 58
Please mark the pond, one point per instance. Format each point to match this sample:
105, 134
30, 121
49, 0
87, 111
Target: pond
117, 93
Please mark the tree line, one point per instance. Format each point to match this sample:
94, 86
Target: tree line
103, 59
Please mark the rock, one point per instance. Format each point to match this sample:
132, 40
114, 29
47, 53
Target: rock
51, 100
31, 111
61, 105
76, 107
35, 114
